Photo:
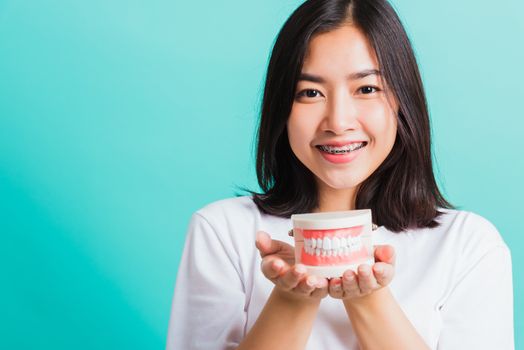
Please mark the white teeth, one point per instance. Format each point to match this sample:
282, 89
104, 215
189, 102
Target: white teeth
332, 246
336, 243
326, 244
355, 244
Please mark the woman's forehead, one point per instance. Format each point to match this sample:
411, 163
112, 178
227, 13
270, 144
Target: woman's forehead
344, 48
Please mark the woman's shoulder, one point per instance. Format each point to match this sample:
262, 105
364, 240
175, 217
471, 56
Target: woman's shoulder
460, 241
233, 222
467, 230
242, 203
468, 223
236, 213
229, 209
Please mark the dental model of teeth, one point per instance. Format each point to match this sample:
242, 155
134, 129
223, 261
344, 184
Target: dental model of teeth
332, 246
330, 243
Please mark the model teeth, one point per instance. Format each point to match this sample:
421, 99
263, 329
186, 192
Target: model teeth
326, 243
332, 246
344, 149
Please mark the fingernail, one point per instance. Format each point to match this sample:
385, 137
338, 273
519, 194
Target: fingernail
364, 270
379, 270
311, 281
349, 278
278, 264
300, 269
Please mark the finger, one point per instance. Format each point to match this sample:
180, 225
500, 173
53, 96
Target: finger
385, 253
383, 273
272, 267
306, 286
292, 277
335, 288
366, 280
266, 245
321, 289
350, 284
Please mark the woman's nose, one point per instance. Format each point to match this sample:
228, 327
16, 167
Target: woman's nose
341, 114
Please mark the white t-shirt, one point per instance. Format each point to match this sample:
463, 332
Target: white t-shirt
453, 282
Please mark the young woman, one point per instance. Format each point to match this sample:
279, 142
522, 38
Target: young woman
344, 126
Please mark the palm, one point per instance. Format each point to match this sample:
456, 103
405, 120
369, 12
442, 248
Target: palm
287, 253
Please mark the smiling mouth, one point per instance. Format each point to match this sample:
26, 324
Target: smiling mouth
342, 150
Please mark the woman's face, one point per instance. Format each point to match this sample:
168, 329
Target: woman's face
342, 125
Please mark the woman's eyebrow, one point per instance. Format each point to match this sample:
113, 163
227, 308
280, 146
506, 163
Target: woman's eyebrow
352, 76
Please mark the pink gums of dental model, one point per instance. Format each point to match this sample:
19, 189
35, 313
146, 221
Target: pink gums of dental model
330, 243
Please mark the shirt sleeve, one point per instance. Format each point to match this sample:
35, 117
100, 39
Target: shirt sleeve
478, 314
208, 305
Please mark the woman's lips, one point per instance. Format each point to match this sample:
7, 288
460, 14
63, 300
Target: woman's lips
341, 158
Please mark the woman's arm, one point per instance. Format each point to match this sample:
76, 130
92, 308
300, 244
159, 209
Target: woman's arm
380, 323
208, 310
286, 320
377, 319
285, 323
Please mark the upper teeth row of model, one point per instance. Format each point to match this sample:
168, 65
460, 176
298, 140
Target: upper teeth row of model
332, 243
332, 252
350, 147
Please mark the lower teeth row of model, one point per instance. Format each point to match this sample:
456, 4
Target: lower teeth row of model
332, 252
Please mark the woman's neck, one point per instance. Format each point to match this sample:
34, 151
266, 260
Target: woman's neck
331, 199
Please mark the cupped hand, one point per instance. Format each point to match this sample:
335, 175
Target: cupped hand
368, 278
278, 265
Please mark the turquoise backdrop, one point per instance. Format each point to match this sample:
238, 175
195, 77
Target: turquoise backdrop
118, 119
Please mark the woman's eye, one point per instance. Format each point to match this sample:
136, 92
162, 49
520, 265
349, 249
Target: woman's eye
368, 90
311, 93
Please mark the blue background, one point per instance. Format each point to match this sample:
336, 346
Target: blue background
118, 119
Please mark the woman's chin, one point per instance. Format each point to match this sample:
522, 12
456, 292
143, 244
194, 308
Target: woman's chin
338, 184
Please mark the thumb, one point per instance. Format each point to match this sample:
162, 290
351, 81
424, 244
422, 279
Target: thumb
385, 253
266, 245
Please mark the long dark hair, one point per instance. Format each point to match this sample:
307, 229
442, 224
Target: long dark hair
402, 192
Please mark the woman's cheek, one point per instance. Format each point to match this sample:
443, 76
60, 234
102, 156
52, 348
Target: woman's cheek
379, 119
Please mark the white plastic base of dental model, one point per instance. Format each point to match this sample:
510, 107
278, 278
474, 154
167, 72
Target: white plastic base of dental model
336, 270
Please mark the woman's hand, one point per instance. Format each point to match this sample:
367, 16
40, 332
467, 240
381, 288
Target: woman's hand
368, 279
278, 265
